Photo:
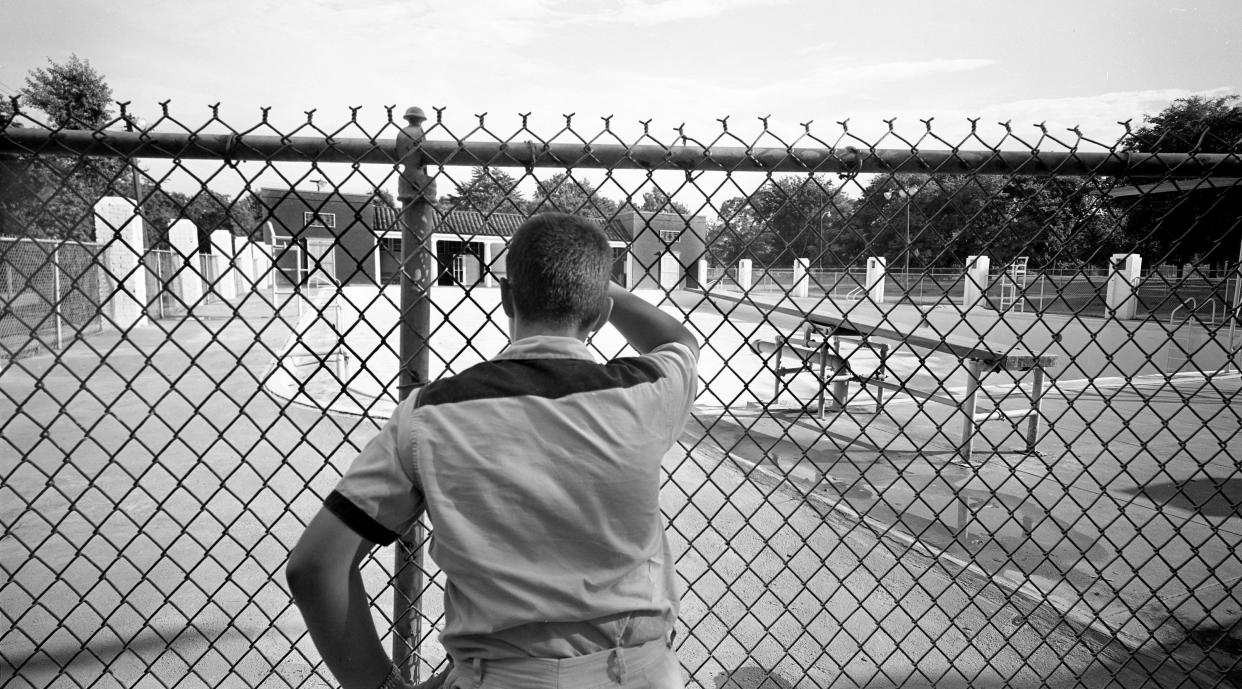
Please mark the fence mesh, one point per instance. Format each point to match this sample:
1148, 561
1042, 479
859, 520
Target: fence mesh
969, 412
49, 294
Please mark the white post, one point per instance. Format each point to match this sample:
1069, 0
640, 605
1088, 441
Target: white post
669, 272
269, 266
744, 268
222, 245
488, 280
119, 229
266, 268
183, 236
260, 257
242, 263
1123, 279
876, 269
703, 274
801, 281
977, 268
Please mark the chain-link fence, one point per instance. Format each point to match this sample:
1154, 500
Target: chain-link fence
966, 417
49, 294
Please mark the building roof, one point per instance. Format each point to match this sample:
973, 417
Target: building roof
474, 223
1182, 185
312, 196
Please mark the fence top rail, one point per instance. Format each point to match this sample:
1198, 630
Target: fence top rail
233, 147
57, 242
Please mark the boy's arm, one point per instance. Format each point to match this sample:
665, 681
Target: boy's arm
326, 585
643, 325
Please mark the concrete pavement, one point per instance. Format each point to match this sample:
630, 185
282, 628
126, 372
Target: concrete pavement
1129, 523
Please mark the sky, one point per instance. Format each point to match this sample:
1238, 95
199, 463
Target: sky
650, 65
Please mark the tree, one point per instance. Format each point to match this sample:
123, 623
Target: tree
208, 210
384, 197
1050, 220
1059, 221
54, 196
72, 94
786, 218
1180, 227
561, 192
655, 200
489, 190
951, 217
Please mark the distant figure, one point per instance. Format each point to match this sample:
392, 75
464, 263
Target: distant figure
540, 474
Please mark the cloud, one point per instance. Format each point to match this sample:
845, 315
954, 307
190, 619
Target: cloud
1097, 117
843, 73
641, 12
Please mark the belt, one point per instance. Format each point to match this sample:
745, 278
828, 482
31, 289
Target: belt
595, 669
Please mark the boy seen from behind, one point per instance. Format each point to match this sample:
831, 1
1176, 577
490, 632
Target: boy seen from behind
540, 472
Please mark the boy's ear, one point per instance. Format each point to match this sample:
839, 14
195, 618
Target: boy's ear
506, 297
605, 311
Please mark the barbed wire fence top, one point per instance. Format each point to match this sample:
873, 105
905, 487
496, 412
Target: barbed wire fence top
968, 407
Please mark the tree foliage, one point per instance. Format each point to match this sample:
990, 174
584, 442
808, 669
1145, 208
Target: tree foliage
1180, 227
1197, 123
54, 196
489, 190
655, 200
72, 94
786, 218
564, 193
1049, 220
924, 220
208, 210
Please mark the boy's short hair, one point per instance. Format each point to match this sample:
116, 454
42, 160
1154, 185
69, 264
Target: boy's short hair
558, 268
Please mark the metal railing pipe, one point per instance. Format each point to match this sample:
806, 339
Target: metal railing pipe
186, 146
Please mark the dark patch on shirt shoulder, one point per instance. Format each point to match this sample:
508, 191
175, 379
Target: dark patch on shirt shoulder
546, 378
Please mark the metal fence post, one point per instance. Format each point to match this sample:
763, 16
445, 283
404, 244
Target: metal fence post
417, 192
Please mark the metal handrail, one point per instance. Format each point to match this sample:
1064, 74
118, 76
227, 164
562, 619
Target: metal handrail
1192, 302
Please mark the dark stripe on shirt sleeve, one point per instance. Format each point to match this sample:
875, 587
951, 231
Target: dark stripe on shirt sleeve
360, 522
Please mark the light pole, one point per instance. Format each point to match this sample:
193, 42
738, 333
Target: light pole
823, 245
131, 124
1235, 311
907, 269
909, 199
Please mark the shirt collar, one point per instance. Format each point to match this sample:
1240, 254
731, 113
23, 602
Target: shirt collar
546, 347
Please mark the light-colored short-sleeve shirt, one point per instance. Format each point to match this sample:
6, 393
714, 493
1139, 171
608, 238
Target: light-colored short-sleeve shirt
540, 470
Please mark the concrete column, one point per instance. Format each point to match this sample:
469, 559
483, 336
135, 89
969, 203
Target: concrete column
223, 247
1123, 279
119, 229
268, 271
744, 274
801, 281
670, 271
266, 267
977, 268
249, 262
877, 268
183, 236
487, 265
